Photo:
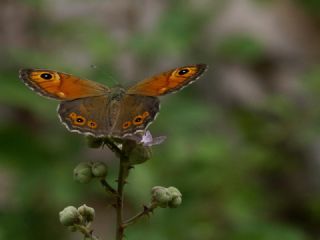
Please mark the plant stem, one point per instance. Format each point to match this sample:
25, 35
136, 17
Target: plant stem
121, 181
86, 232
146, 210
108, 187
112, 146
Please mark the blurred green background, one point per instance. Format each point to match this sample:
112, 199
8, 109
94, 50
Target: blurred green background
243, 142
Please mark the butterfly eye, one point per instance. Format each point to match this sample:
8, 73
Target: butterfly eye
46, 76
183, 71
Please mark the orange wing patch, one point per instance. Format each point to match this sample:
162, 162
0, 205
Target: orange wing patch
145, 114
60, 86
168, 81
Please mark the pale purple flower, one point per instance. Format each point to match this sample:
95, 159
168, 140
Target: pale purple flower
147, 140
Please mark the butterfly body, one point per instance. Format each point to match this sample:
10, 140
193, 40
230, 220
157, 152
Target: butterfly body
93, 109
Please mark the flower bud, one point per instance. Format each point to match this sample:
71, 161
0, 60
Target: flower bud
99, 169
69, 216
161, 196
174, 192
72, 228
175, 202
176, 197
86, 212
82, 173
140, 154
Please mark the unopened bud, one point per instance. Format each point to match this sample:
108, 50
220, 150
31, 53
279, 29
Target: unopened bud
174, 192
161, 196
72, 228
69, 216
82, 173
86, 212
99, 169
175, 202
140, 154
176, 197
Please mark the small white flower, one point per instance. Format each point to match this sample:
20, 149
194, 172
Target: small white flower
148, 141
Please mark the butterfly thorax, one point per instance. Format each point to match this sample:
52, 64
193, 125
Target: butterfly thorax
117, 93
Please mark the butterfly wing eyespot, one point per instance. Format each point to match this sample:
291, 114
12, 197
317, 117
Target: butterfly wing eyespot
169, 81
60, 86
73, 115
183, 71
46, 76
125, 125
92, 124
138, 120
79, 120
145, 114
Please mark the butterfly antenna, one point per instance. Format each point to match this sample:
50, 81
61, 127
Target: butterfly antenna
105, 74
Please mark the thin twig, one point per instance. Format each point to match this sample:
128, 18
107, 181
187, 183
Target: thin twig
123, 168
108, 187
86, 232
145, 212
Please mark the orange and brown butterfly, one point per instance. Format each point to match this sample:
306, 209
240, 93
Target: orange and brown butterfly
93, 109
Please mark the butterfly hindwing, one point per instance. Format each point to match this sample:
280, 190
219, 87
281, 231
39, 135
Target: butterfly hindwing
88, 116
136, 113
116, 118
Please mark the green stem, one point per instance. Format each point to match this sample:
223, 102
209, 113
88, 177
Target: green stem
119, 209
113, 147
108, 187
86, 232
145, 212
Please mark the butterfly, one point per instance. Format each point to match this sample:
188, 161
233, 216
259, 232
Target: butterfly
90, 108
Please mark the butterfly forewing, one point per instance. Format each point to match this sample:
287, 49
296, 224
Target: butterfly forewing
169, 81
60, 86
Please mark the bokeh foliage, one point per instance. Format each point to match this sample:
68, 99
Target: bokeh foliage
247, 169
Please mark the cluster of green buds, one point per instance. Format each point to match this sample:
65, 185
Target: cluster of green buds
72, 217
166, 197
84, 172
